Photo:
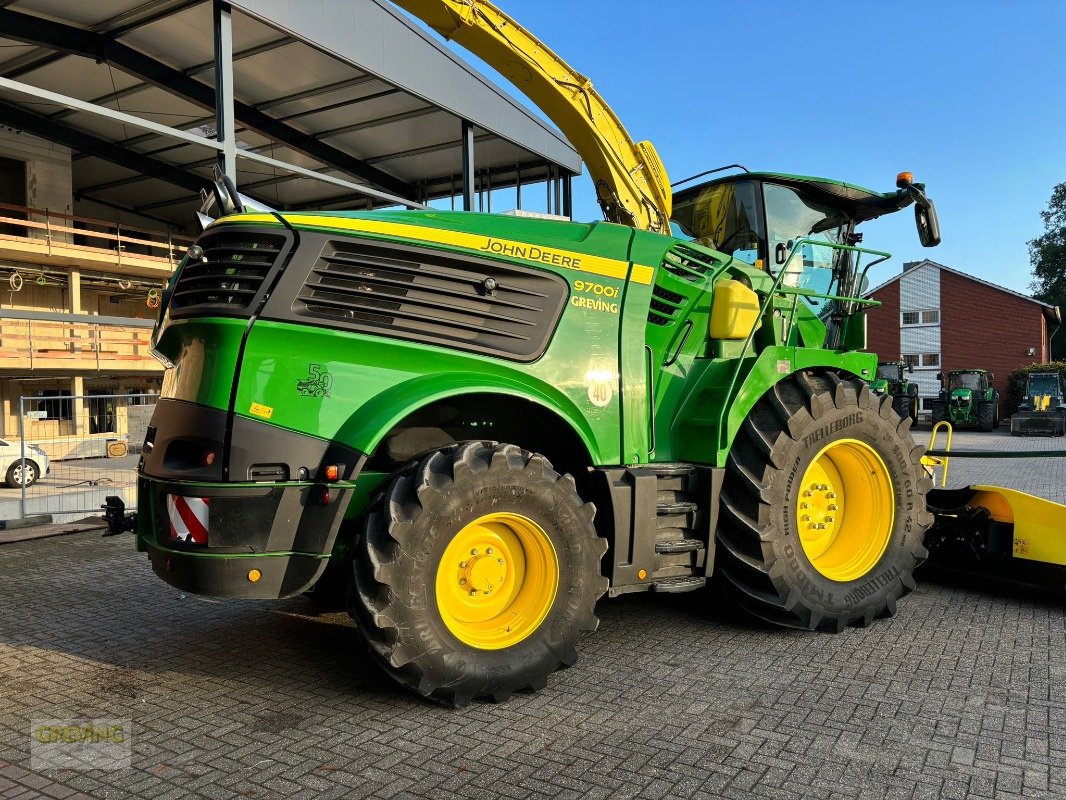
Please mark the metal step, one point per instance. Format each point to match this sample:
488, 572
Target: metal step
676, 507
670, 470
678, 546
677, 585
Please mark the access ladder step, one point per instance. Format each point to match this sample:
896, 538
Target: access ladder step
678, 546
671, 470
676, 507
677, 585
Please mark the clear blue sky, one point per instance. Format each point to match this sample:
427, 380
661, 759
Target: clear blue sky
969, 96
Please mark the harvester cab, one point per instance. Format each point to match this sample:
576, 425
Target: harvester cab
891, 380
1043, 411
967, 397
803, 227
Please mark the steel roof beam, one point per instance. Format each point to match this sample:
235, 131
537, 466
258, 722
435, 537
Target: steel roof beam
60, 133
116, 26
100, 47
198, 69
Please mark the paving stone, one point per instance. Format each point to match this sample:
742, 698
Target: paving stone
961, 694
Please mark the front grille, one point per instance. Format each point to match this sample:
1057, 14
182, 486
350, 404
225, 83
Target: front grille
465, 303
231, 275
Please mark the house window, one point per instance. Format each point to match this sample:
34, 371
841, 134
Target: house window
141, 397
930, 359
929, 316
56, 404
927, 403
912, 360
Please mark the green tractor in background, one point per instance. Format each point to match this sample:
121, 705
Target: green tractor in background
1043, 411
891, 380
967, 398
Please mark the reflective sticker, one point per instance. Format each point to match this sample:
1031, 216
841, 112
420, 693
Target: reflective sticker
784, 367
188, 518
260, 410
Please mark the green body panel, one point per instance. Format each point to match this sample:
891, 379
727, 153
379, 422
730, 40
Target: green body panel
377, 381
204, 353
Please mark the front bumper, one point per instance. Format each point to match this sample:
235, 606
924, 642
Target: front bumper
280, 534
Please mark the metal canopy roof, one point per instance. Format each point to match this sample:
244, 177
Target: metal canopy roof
346, 88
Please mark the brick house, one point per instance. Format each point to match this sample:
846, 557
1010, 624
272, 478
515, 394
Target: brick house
938, 318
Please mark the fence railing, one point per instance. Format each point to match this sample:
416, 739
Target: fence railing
72, 452
68, 232
38, 340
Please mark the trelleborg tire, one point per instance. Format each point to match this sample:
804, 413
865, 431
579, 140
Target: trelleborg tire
823, 506
476, 573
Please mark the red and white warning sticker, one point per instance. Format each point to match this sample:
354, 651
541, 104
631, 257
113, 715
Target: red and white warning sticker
188, 518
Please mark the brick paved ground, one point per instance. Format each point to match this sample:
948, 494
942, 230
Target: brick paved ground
962, 694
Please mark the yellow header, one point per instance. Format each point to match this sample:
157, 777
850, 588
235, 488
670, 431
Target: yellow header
538, 254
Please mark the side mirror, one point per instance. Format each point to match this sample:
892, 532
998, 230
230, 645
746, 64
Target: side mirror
927, 223
940, 377
991, 377
910, 368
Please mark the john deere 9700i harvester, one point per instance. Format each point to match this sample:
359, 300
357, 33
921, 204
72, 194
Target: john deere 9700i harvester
482, 423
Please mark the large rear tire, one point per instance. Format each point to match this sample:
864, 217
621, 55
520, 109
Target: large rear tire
939, 411
986, 415
476, 573
823, 506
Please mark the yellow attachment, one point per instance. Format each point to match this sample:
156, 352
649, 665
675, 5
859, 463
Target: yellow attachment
497, 581
735, 311
1041, 402
845, 510
1039, 525
631, 183
932, 462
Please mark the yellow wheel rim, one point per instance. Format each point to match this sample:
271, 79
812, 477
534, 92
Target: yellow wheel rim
845, 510
497, 581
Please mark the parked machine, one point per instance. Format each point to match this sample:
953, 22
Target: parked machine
1043, 411
967, 397
891, 381
479, 424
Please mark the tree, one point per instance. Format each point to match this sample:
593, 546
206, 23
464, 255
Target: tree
1047, 254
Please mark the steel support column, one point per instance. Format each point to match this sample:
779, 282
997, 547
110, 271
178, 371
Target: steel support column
467, 145
568, 196
225, 129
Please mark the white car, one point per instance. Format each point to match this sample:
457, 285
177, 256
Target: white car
37, 464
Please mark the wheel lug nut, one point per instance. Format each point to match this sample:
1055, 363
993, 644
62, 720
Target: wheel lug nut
831, 495
473, 592
462, 581
805, 505
829, 519
499, 561
833, 506
806, 518
807, 492
488, 551
473, 552
462, 565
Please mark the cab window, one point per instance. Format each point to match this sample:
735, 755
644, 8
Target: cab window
724, 217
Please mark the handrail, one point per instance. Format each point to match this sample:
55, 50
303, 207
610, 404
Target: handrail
93, 221
776, 290
92, 319
939, 458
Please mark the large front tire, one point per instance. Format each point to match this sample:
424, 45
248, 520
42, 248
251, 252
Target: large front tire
477, 573
823, 506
